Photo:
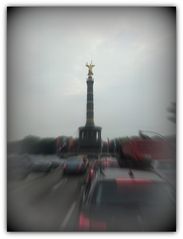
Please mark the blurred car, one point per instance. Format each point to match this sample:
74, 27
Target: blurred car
75, 165
98, 165
109, 162
122, 200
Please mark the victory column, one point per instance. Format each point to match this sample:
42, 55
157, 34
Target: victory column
90, 135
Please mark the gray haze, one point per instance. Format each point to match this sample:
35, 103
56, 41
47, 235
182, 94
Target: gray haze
134, 52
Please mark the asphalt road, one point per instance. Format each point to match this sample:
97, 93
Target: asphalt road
44, 202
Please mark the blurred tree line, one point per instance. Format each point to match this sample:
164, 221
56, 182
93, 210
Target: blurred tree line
33, 145
68, 145
172, 112
62, 144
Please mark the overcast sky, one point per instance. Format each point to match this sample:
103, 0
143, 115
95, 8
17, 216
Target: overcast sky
134, 52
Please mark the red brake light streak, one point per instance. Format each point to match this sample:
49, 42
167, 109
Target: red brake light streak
86, 224
124, 181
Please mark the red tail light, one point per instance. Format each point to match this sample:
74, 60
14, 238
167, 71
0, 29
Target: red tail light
79, 167
86, 224
124, 181
91, 172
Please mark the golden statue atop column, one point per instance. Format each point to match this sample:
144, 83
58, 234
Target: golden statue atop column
90, 66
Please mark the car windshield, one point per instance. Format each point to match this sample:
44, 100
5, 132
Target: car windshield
109, 192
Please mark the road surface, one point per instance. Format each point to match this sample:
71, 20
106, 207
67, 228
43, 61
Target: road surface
44, 202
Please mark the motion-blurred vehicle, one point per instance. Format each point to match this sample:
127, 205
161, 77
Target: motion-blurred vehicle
44, 165
125, 200
75, 165
109, 162
98, 165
